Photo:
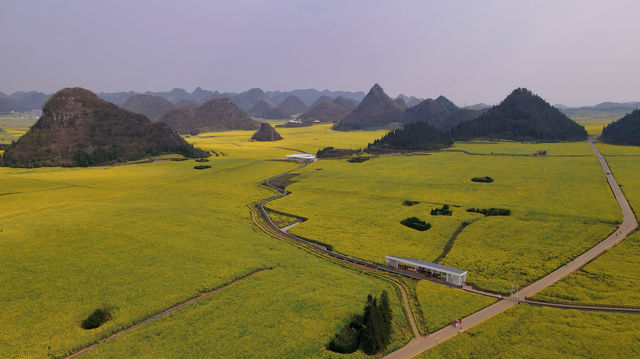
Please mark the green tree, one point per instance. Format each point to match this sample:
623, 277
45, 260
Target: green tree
387, 315
373, 334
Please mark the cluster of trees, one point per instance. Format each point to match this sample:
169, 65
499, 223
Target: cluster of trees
485, 179
444, 211
417, 136
416, 223
371, 331
491, 211
330, 152
96, 319
358, 159
625, 131
409, 203
98, 156
201, 167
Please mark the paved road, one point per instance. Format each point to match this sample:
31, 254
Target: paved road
629, 224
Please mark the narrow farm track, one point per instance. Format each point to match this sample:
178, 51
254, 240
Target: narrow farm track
162, 314
629, 224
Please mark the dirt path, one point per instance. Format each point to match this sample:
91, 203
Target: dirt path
162, 314
287, 228
628, 225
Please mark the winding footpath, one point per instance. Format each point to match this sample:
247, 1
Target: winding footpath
629, 224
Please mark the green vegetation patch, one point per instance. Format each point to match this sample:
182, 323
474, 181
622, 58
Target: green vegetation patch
444, 211
485, 179
96, 319
201, 167
612, 279
330, 152
491, 211
358, 159
410, 203
539, 332
416, 223
371, 332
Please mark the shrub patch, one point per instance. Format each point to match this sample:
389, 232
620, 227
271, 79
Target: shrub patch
358, 159
409, 203
485, 179
491, 211
96, 319
415, 223
444, 211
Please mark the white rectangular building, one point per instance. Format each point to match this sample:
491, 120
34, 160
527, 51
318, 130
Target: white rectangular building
452, 275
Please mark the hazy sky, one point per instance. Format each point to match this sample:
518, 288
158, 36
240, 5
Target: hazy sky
571, 52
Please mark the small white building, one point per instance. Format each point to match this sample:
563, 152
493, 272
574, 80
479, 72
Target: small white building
452, 275
302, 157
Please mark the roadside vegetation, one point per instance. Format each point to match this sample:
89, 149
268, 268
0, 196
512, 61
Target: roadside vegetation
613, 278
610, 280
538, 332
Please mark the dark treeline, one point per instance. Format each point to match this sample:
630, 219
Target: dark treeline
418, 136
416, 223
625, 131
491, 211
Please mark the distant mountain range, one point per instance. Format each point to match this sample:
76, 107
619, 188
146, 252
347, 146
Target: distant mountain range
22, 101
32, 100
219, 114
377, 110
329, 110
153, 107
604, 110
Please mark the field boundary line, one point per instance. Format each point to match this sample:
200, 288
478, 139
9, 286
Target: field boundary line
164, 313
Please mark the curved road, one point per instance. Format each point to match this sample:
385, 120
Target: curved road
629, 224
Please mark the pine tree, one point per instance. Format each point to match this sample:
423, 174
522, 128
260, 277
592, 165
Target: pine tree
387, 315
373, 334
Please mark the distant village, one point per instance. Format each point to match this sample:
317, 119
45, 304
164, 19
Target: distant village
24, 115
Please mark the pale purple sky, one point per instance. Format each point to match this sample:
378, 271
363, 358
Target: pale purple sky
572, 52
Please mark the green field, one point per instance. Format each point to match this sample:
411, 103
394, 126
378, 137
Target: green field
441, 304
307, 139
613, 278
535, 332
141, 238
594, 125
11, 128
561, 206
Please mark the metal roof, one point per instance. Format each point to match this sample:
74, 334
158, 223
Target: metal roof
429, 265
